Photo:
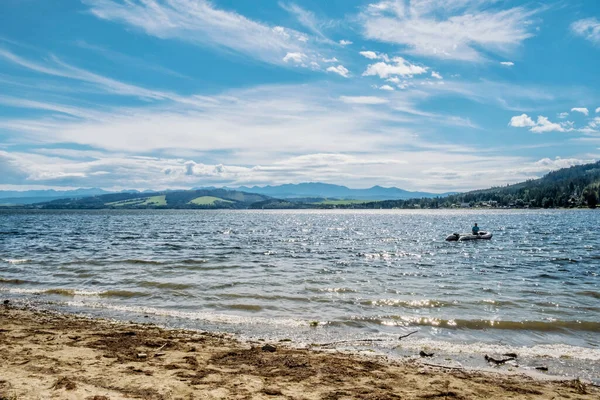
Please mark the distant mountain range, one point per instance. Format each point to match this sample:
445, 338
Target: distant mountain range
577, 186
328, 191
288, 191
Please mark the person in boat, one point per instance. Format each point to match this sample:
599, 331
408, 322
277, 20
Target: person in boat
475, 229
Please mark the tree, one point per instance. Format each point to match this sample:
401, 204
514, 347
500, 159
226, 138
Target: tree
546, 202
591, 197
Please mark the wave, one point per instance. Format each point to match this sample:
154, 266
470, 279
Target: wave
123, 294
590, 293
192, 261
245, 307
14, 281
204, 316
425, 303
556, 351
334, 290
77, 292
137, 261
274, 298
476, 324
15, 260
165, 285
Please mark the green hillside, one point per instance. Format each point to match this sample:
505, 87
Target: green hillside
183, 199
141, 202
208, 201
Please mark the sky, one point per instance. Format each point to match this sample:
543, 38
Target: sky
428, 95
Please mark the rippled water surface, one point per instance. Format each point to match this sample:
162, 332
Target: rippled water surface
353, 274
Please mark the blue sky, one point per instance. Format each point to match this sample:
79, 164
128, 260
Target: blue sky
420, 94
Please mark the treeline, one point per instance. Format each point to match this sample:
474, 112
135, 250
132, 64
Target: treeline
577, 186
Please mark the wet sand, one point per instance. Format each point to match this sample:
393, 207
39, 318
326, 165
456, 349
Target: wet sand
44, 355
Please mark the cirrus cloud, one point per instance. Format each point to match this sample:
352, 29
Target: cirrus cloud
588, 28
200, 22
456, 29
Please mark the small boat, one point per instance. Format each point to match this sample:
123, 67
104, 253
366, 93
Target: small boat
469, 236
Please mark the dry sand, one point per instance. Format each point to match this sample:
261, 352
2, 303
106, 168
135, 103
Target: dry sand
44, 355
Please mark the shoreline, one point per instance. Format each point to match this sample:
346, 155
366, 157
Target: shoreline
48, 354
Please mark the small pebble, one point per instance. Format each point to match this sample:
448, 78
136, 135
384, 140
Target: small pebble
142, 355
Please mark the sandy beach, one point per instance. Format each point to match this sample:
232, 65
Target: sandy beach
44, 355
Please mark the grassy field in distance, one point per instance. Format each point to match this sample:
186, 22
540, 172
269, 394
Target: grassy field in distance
141, 201
208, 201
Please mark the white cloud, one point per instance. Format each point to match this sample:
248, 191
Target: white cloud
330, 60
598, 110
436, 75
548, 164
588, 28
455, 29
581, 110
521, 121
371, 55
340, 70
399, 67
542, 125
507, 63
563, 115
295, 57
200, 22
394, 79
386, 87
363, 100
345, 42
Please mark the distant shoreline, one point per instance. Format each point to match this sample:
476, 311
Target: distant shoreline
484, 209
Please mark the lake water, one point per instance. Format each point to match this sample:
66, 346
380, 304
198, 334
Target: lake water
533, 289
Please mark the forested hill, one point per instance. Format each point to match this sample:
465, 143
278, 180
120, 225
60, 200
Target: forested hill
577, 186
568, 187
